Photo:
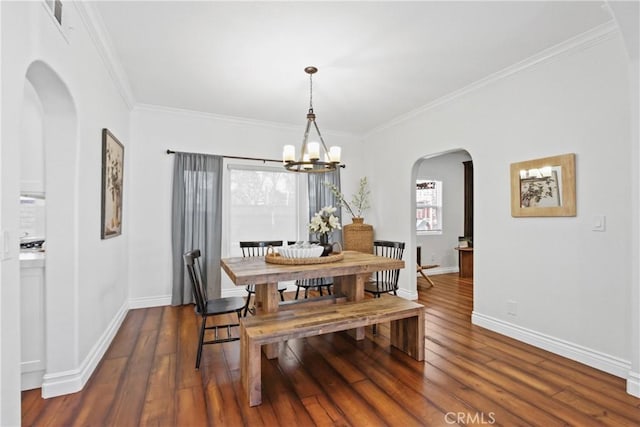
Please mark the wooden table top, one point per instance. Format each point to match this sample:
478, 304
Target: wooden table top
254, 270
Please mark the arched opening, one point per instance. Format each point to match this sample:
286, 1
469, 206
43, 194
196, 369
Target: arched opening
59, 134
443, 201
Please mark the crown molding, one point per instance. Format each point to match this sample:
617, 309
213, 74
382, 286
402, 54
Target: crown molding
582, 41
92, 21
230, 119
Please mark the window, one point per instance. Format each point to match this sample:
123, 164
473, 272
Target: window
263, 204
428, 206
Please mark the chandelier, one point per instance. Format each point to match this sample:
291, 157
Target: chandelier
314, 155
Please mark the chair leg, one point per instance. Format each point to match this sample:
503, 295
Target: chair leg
202, 329
320, 289
375, 330
246, 306
297, 292
281, 295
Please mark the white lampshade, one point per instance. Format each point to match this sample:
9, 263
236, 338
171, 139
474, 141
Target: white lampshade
334, 154
289, 153
314, 150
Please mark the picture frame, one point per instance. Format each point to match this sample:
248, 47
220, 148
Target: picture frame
544, 187
112, 185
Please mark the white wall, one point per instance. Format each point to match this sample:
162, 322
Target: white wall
86, 277
155, 130
572, 285
438, 248
32, 138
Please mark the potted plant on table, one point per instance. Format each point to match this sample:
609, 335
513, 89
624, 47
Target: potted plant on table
360, 200
323, 223
358, 236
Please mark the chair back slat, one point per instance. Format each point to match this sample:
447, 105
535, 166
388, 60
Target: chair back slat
192, 262
257, 248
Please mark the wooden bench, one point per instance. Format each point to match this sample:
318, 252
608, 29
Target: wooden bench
407, 330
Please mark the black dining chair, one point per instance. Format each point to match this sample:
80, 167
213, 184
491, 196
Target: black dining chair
318, 283
385, 281
259, 248
206, 307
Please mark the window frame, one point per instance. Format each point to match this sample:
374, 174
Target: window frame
301, 192
439, 205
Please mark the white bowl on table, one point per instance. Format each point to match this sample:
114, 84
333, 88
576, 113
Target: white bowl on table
301, 252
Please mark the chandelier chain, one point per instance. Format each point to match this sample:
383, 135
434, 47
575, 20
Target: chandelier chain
311, 92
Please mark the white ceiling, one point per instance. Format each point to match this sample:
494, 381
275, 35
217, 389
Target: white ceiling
376, 60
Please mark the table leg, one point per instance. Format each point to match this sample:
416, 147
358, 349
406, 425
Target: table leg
351, 287
267, 300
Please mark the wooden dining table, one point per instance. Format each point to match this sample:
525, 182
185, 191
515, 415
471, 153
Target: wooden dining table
349, 277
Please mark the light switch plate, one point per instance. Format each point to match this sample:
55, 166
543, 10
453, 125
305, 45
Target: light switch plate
599, 223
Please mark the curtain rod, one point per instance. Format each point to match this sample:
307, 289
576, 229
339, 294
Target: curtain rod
238, 157
234, 157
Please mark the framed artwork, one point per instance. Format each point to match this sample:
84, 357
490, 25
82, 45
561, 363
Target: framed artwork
112, 170
544, 187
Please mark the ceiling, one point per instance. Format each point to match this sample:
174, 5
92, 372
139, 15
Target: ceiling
376, 60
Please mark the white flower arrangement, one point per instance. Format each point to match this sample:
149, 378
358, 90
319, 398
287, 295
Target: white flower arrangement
324, 221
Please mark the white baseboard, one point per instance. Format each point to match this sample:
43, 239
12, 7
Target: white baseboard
596, 359
147, 302
66, 382
439, 270
407, 295
239, 291
31, 380
633, 384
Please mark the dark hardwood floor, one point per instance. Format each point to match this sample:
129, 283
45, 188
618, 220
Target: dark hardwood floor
471, 376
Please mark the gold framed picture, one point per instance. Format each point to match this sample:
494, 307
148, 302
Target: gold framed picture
112, 170
544, 187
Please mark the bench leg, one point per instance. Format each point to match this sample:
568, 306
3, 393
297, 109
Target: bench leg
408, 335
250, 370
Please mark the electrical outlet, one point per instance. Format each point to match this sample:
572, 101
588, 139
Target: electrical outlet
512, 308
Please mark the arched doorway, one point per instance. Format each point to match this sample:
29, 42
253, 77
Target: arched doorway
444, 208
59, 133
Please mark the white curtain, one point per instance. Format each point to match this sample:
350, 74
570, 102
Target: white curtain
196, 221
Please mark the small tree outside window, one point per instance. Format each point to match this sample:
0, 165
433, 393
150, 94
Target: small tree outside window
428, 206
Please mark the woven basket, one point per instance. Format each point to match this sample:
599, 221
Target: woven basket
358, 236
278, 259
